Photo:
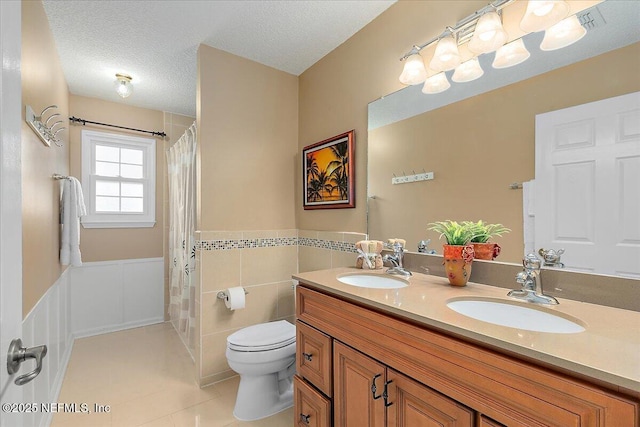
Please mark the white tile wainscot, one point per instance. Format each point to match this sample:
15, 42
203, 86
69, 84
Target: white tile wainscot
109, 296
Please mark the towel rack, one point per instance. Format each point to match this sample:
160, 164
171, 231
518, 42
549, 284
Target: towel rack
515, 185
57, 176
45, 131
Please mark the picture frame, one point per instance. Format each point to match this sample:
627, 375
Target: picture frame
329, 173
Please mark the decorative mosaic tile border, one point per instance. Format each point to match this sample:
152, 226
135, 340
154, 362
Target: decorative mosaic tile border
266, 242
327, 244
272, 242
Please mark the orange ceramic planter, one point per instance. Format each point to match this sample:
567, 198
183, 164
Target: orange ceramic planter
489, 251
457, 263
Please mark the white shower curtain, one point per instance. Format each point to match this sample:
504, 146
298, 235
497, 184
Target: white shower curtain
182, 251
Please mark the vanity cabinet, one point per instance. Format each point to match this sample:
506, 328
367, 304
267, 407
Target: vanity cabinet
433, 378
368, 393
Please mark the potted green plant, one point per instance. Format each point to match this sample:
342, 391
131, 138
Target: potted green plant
457, 252
482, 232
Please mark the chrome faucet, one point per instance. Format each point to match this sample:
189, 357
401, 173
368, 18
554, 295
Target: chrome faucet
531, 282
551, 257
422, 247
396, 260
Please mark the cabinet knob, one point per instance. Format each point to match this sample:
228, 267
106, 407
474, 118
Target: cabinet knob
305, 418
307, 356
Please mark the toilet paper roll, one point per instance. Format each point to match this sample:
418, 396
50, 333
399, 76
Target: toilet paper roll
235, 298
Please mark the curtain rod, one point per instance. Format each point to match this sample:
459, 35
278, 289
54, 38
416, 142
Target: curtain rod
84, 122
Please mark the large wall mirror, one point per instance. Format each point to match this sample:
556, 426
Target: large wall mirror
479, 137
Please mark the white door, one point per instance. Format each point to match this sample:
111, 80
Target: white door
588, 185
10, 204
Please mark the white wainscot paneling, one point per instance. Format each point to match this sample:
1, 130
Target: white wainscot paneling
114, 295
47, 323
95, 298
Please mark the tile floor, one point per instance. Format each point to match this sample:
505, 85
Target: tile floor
147, 378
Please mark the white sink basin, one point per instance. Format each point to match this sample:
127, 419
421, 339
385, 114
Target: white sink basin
375, 281
515, 315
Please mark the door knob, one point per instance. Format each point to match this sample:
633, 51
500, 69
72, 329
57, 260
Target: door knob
18, 354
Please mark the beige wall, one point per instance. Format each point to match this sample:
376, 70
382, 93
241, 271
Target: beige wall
104, 244
43, 84
477, 147
265, 272
335, 91
262, 262
248, 126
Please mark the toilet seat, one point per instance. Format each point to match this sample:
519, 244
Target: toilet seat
263, 337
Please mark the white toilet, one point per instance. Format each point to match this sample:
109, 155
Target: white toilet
264, 355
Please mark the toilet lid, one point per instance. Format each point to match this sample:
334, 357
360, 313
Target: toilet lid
264, 336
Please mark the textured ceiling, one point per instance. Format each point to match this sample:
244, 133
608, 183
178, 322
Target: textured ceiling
156, 41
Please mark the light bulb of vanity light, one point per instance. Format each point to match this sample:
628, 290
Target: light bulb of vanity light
436, 84
447, 56
123, 85
488, 34
511, 54
414, 71
564, 33
467, 71
542, 14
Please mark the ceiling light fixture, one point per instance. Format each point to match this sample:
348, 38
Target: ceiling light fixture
123, 85
483, 32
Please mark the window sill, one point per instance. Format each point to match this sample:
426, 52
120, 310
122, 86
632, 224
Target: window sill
119, 224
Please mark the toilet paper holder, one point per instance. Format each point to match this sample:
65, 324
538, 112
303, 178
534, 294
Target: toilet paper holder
223, 295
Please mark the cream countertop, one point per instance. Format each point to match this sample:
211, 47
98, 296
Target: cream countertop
608, 350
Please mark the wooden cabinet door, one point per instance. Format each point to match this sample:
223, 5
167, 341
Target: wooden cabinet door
313, 358
311, 409
412, 404
488, 422
353, 392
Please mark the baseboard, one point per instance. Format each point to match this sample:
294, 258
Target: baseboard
118, 327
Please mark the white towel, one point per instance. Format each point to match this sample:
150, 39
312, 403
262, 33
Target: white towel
528, 216
72, 205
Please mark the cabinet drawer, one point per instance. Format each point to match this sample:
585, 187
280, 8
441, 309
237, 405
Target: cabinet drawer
311, 408
313, 358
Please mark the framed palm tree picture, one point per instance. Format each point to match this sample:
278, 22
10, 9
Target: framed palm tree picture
329, 176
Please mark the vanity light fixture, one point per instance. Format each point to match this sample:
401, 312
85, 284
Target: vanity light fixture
467, 71
511, 54
482, 32
414, 71
436, 84
123, 85
489, 35
447, 56
542, 14
564, 33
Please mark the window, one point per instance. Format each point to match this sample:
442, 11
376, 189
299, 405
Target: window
118, 180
